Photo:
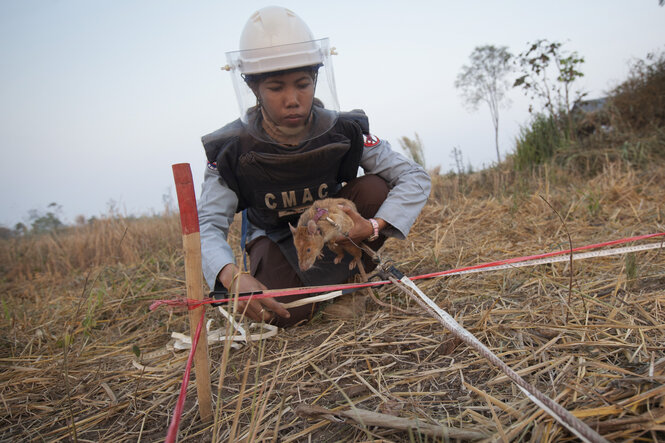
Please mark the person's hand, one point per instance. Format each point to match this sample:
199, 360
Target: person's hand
362, 228
263, 309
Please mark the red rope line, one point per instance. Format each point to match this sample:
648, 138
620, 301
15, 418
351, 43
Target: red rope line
271, 293
177, 412
276, 293
539, 256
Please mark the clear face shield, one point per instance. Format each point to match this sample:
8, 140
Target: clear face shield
258, 64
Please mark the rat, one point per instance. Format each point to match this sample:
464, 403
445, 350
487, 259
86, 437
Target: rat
320, 225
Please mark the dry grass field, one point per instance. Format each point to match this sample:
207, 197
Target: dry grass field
83, 359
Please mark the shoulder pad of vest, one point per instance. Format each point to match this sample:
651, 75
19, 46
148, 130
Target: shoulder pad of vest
213, 142
233, 129
357, 116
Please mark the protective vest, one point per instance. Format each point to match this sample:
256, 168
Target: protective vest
276, 183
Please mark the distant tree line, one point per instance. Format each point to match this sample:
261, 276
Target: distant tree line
39, 222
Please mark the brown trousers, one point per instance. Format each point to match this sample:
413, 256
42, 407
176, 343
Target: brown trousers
270, 267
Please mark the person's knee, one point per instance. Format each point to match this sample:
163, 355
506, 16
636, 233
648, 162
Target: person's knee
375, 186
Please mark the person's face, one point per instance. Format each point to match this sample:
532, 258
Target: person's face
287, 98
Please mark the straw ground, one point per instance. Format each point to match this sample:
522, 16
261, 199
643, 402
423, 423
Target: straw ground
83, 359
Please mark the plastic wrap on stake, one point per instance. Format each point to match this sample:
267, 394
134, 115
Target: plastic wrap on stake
191, 241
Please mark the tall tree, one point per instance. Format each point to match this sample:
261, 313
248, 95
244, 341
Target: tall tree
484, 80
548, 74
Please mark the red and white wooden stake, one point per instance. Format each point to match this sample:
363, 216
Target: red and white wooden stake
191, 242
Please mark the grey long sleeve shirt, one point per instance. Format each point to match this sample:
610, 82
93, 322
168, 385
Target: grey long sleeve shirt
409, 189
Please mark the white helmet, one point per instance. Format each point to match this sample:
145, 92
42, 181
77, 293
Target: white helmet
276, 39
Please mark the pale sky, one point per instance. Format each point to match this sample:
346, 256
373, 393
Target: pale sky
100, 98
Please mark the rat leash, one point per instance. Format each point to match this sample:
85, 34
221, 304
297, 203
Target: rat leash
388, 272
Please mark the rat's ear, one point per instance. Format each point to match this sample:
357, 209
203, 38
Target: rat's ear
293, 230
311, 227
